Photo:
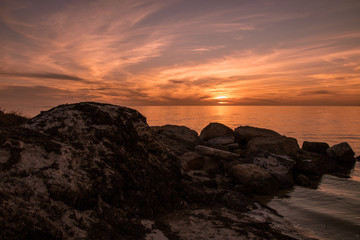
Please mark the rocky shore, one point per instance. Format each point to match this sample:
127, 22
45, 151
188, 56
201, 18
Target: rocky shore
98, 171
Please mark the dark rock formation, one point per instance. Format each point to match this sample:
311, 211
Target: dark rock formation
315, 147
342, 153
98, 171
278, 166
84, 171
214, 130
254, 178
216, 153
279, 145
244, 134
179, 139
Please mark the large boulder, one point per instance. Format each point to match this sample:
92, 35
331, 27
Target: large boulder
315, 147
177, 132
280, 145
84, 171
191, 161
216, 153
214, 130
279, 166
342, 153
179, 139
243, 134
254, 178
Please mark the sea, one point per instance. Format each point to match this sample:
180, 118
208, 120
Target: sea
332, 211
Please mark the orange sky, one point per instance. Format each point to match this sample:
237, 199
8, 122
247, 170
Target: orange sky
179, 52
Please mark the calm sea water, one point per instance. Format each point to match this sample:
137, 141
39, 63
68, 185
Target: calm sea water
330, 212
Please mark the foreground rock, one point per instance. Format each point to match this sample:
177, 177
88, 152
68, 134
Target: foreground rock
84, 171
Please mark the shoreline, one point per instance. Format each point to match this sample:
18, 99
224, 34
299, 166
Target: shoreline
104, 166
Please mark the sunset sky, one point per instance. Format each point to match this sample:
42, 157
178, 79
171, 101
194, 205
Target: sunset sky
180, 52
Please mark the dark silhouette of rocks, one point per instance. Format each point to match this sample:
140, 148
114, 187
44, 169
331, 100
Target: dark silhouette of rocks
98, 171
214, 130
315, 147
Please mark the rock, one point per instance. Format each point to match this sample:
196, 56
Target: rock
303, 180
279, 166
216, 153
236, 200
315, 147
244, 134
179, 139
277, 145
256, 179
177, 132
342, 153
191, 161
222, 141
214, 130
212, 165
84, 171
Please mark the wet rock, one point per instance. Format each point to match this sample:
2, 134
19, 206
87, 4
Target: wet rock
278, 166
244, 134
216, 153
236, 200
342, 153
277, 145
315, 147
256, 179
214, 130
303, 180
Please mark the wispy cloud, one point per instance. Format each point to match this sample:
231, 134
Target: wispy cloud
182, 52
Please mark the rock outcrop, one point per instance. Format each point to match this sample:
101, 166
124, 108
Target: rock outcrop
98, 171
84, 171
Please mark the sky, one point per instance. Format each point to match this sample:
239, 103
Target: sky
180, 52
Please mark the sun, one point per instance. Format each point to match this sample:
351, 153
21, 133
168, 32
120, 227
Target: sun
220, 97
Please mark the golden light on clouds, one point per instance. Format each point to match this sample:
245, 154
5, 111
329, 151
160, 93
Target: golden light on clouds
180, 52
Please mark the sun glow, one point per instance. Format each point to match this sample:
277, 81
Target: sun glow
221, 97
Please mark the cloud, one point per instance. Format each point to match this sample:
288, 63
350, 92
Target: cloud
45, 75
318, 92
